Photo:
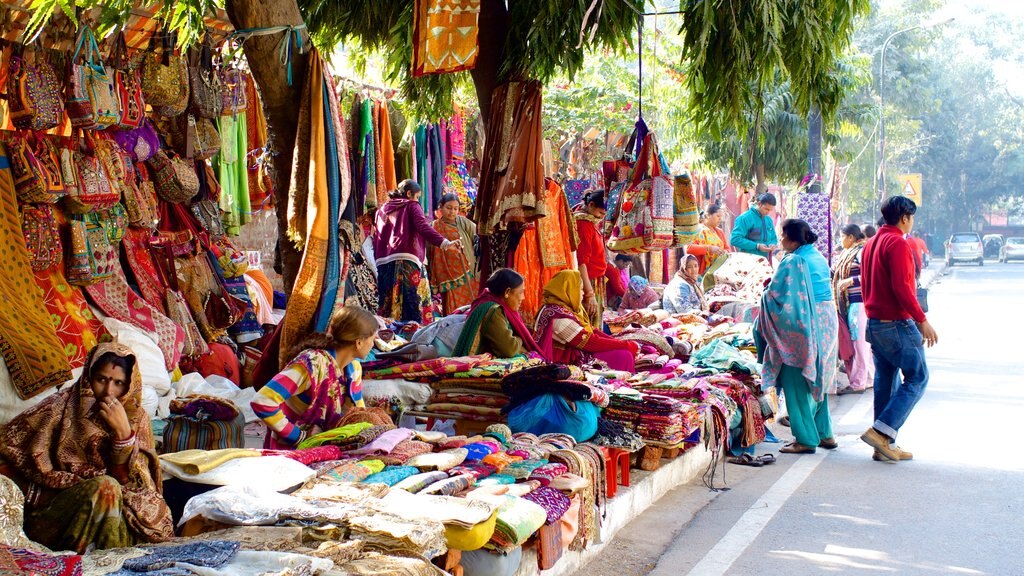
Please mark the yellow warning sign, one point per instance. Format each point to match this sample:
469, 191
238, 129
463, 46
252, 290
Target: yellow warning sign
910, 186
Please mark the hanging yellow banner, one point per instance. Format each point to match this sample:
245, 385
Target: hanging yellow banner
910, 186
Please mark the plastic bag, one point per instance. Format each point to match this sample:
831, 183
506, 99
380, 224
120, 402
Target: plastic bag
550, 413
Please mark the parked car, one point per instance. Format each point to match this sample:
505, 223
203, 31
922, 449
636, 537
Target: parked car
993, 245
1013, 249
964, 247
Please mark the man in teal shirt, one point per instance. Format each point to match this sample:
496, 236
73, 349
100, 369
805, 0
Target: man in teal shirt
753, 231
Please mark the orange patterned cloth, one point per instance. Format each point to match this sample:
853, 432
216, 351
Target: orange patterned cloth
77, 327
550, 241
445, 36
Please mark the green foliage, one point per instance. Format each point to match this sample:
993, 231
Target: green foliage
183, 16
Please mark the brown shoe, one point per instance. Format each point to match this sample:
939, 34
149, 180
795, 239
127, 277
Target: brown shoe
904, 455
828, 444
881, 443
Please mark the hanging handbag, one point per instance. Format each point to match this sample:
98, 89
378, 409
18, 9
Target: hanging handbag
175, 178
141, 142
206, 91
646, 208
127, 86
33, 93
93, 254
29, 179
687, 217
194, 137
97, 83
48, 156
95, 191
165, 82
233, 90
208, 213
163, 250
42, 236
141, 204
67, 154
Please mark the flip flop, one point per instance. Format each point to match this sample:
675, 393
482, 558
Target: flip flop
746, 460
795, 448
766, 459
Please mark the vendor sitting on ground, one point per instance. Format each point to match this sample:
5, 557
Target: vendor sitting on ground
639, 295
308, 396
684, 292
564, 331
494, 325
85, 460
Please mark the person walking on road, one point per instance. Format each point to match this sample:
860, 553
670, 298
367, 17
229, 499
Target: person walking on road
898, 329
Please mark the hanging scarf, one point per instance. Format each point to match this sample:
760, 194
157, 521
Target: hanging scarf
63, 441
844, 265
470, 337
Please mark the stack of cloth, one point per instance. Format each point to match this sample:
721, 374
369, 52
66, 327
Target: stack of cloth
517, 520
475, 394
422, 370
395, 534
568, 381
659, 420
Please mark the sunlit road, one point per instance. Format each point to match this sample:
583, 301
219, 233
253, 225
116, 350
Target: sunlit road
957, 508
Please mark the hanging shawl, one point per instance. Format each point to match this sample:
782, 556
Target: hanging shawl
385, 148
63, 441
512, 177
317, 191
368, 165
28, 343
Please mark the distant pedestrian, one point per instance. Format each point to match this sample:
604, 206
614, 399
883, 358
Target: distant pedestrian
897, 327
854, 349
870, 231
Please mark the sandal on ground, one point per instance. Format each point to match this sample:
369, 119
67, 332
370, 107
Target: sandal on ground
746, 460
766, 459
784, 421
796, 448
828, 444
846, 391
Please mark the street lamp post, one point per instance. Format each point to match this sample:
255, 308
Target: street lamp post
880, 173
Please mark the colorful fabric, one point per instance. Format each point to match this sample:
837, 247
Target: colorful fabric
355, 471
478, 450
453, 273
335, 435
518, 519
794, 331
195, 462
500, 460
309, 455
233, 173
522, 469
450, 486
115, 298
16, 561
64, 424
404, 292
477, 469
566, 290
208, 553
404, 451
136, 250
544, 474
309, 392
30, 347
428, 368
77, 327
391, 475
420, 481
552, 501
384, 443
444, 36
439, 460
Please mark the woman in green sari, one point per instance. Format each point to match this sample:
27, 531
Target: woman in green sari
494, 325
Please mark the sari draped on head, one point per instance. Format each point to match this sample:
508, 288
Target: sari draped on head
562, 299
63, 442
469, 340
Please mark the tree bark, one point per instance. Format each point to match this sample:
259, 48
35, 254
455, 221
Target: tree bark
493, 32
762, 186
279, 105
814, 146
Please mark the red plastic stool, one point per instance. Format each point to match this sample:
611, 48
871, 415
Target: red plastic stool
615, 460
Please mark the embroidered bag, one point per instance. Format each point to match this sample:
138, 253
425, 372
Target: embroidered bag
207, 100
163, 250
687, 217
233, 90
141, 142
48, 156
29, 179
95, 191
646, 208
42, 237
97, 83
68, 157
208, 213
195, 137
165, 82
127, 86
33, 94
93, 254
77, 103
175, 178
141, 204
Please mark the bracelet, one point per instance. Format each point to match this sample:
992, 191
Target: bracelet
588, 294
121, 445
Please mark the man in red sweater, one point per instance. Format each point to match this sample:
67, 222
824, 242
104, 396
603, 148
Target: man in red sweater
897, 327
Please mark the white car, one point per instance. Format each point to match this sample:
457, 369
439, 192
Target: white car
964, 247
1013, 249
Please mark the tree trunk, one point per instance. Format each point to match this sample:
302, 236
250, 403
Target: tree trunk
493, 31
279, 105
762, 186
814, 146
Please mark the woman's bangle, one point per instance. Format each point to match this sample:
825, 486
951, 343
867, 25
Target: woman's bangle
126, 444
588, 294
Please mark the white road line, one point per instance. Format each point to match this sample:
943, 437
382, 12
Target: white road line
752, 523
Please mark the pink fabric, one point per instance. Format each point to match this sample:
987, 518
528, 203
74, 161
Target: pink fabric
861, 367
617, 359
385, 443
309, 456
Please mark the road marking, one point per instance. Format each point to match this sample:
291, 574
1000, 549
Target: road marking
756, 518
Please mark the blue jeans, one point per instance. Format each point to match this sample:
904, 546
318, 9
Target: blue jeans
896, 347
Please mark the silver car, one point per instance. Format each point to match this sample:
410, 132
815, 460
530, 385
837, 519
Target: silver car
1013, 249
964, 247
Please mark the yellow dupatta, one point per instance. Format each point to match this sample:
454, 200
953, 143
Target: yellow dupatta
566, 289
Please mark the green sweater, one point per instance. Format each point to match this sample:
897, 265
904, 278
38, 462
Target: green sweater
751, 229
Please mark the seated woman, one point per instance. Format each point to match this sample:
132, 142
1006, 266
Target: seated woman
494, 325
564, 331
308, 396
639, 295
85, 460
684, 292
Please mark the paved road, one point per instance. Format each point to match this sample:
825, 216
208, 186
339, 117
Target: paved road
958, 508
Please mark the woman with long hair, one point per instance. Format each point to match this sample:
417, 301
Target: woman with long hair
398, 245
494, 325
453, 272
797, 338
309, 395
854, 348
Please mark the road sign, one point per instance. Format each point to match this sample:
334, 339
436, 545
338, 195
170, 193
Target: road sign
910, 186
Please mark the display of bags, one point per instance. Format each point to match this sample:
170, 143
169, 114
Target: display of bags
140, 201
42, 236
206, 96
29, 179
127, 87
233, 90
645, 211
175, 178
165, 82
687, 217
96, 83
194, 137
33, 94
95, 237
163, 251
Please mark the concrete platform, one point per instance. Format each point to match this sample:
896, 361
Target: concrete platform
646, 489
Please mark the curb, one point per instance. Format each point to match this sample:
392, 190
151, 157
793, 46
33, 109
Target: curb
938, 274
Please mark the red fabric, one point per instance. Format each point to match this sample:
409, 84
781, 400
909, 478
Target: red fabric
514, 320
888, 277
600, 342
220, 361
615, 287
591, 249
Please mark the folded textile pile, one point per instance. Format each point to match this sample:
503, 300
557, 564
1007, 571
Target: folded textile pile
450, 486
378, 564
391, 475
309, 456
394, 534
385, 443
418, 482
439, 460
275, 473
552, 501
335, 436
517, 520
648, 338
615, 435
425, 369
448, 510
165, 559
248, 506
404, 451
328, 490
722, 357
199, 461
23, 561
354, 471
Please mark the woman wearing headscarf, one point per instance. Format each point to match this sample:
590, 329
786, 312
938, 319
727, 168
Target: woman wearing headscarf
684, 292
854, 348
711, 243
453, 272
564, 328
494, 325
639, 295
86, 462
797, 338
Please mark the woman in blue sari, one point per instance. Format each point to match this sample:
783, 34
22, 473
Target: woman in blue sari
797, 336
